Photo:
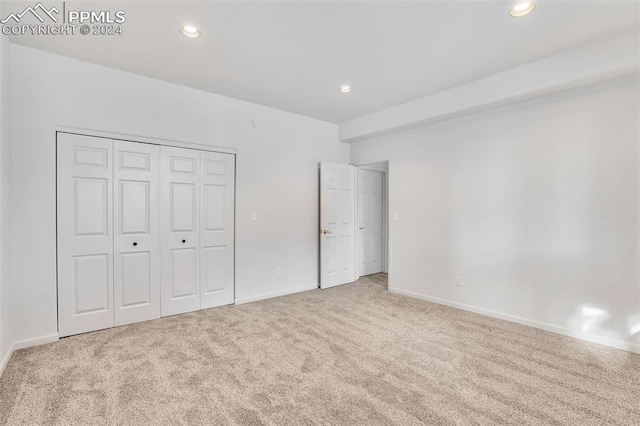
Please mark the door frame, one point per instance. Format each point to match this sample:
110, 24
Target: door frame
142, 139
145, 140
386, 232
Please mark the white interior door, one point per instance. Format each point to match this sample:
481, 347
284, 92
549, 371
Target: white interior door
217, 229
180, 227
85, 237
370, 221
337, 224
136, 196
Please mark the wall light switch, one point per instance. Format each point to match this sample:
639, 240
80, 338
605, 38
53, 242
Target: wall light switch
254, 217
395, 217
459, 281
278, 272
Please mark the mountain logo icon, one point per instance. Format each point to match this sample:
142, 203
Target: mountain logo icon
38, 11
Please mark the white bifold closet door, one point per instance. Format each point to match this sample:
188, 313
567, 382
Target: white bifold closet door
85, 233
197, 230
144, 231
136, 199
217, 235
180, 228
108, 233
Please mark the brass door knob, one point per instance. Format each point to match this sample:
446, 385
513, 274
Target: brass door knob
324, 231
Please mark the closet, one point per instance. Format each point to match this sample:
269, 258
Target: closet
144, 231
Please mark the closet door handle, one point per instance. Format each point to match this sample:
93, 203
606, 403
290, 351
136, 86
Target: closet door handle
135, 244
184, 241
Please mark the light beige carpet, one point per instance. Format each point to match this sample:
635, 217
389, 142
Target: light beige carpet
353, 355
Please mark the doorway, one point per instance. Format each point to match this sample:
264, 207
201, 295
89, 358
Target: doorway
353, 222
372, 252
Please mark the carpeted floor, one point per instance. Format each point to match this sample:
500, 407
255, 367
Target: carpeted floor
353, 355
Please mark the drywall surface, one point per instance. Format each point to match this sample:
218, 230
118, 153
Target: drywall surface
6, 336
535, 206
604, 59
277, 171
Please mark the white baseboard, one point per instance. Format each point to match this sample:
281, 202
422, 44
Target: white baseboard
35, 341
275, 294
22, 344
5, 359
602, 340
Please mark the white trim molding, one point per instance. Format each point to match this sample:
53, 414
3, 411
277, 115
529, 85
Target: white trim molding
36, 341
143, 139
5, 359
23, 344
271, 295
602, 340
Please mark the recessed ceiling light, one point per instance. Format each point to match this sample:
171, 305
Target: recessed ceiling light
190, 31
345, 89
522, 9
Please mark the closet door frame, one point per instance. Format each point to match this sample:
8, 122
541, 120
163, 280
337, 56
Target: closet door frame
114, 136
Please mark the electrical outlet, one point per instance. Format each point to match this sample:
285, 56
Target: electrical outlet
278, 272
459, 281
254, 217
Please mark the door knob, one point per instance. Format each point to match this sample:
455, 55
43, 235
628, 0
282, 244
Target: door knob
135, 244
361, 228
184, 241
324, 231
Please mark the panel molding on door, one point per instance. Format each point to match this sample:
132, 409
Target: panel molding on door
337, 223
136, 195
217, 229
179, 227
85, 234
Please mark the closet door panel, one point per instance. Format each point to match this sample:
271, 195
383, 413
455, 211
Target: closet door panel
217, 236
183, 263
180, 229
137, 232
85, 237
137, 276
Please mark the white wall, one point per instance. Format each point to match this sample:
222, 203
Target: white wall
601, 60
277, 171
536, 205
6, 337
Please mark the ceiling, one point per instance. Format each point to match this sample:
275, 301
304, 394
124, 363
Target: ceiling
294, 55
